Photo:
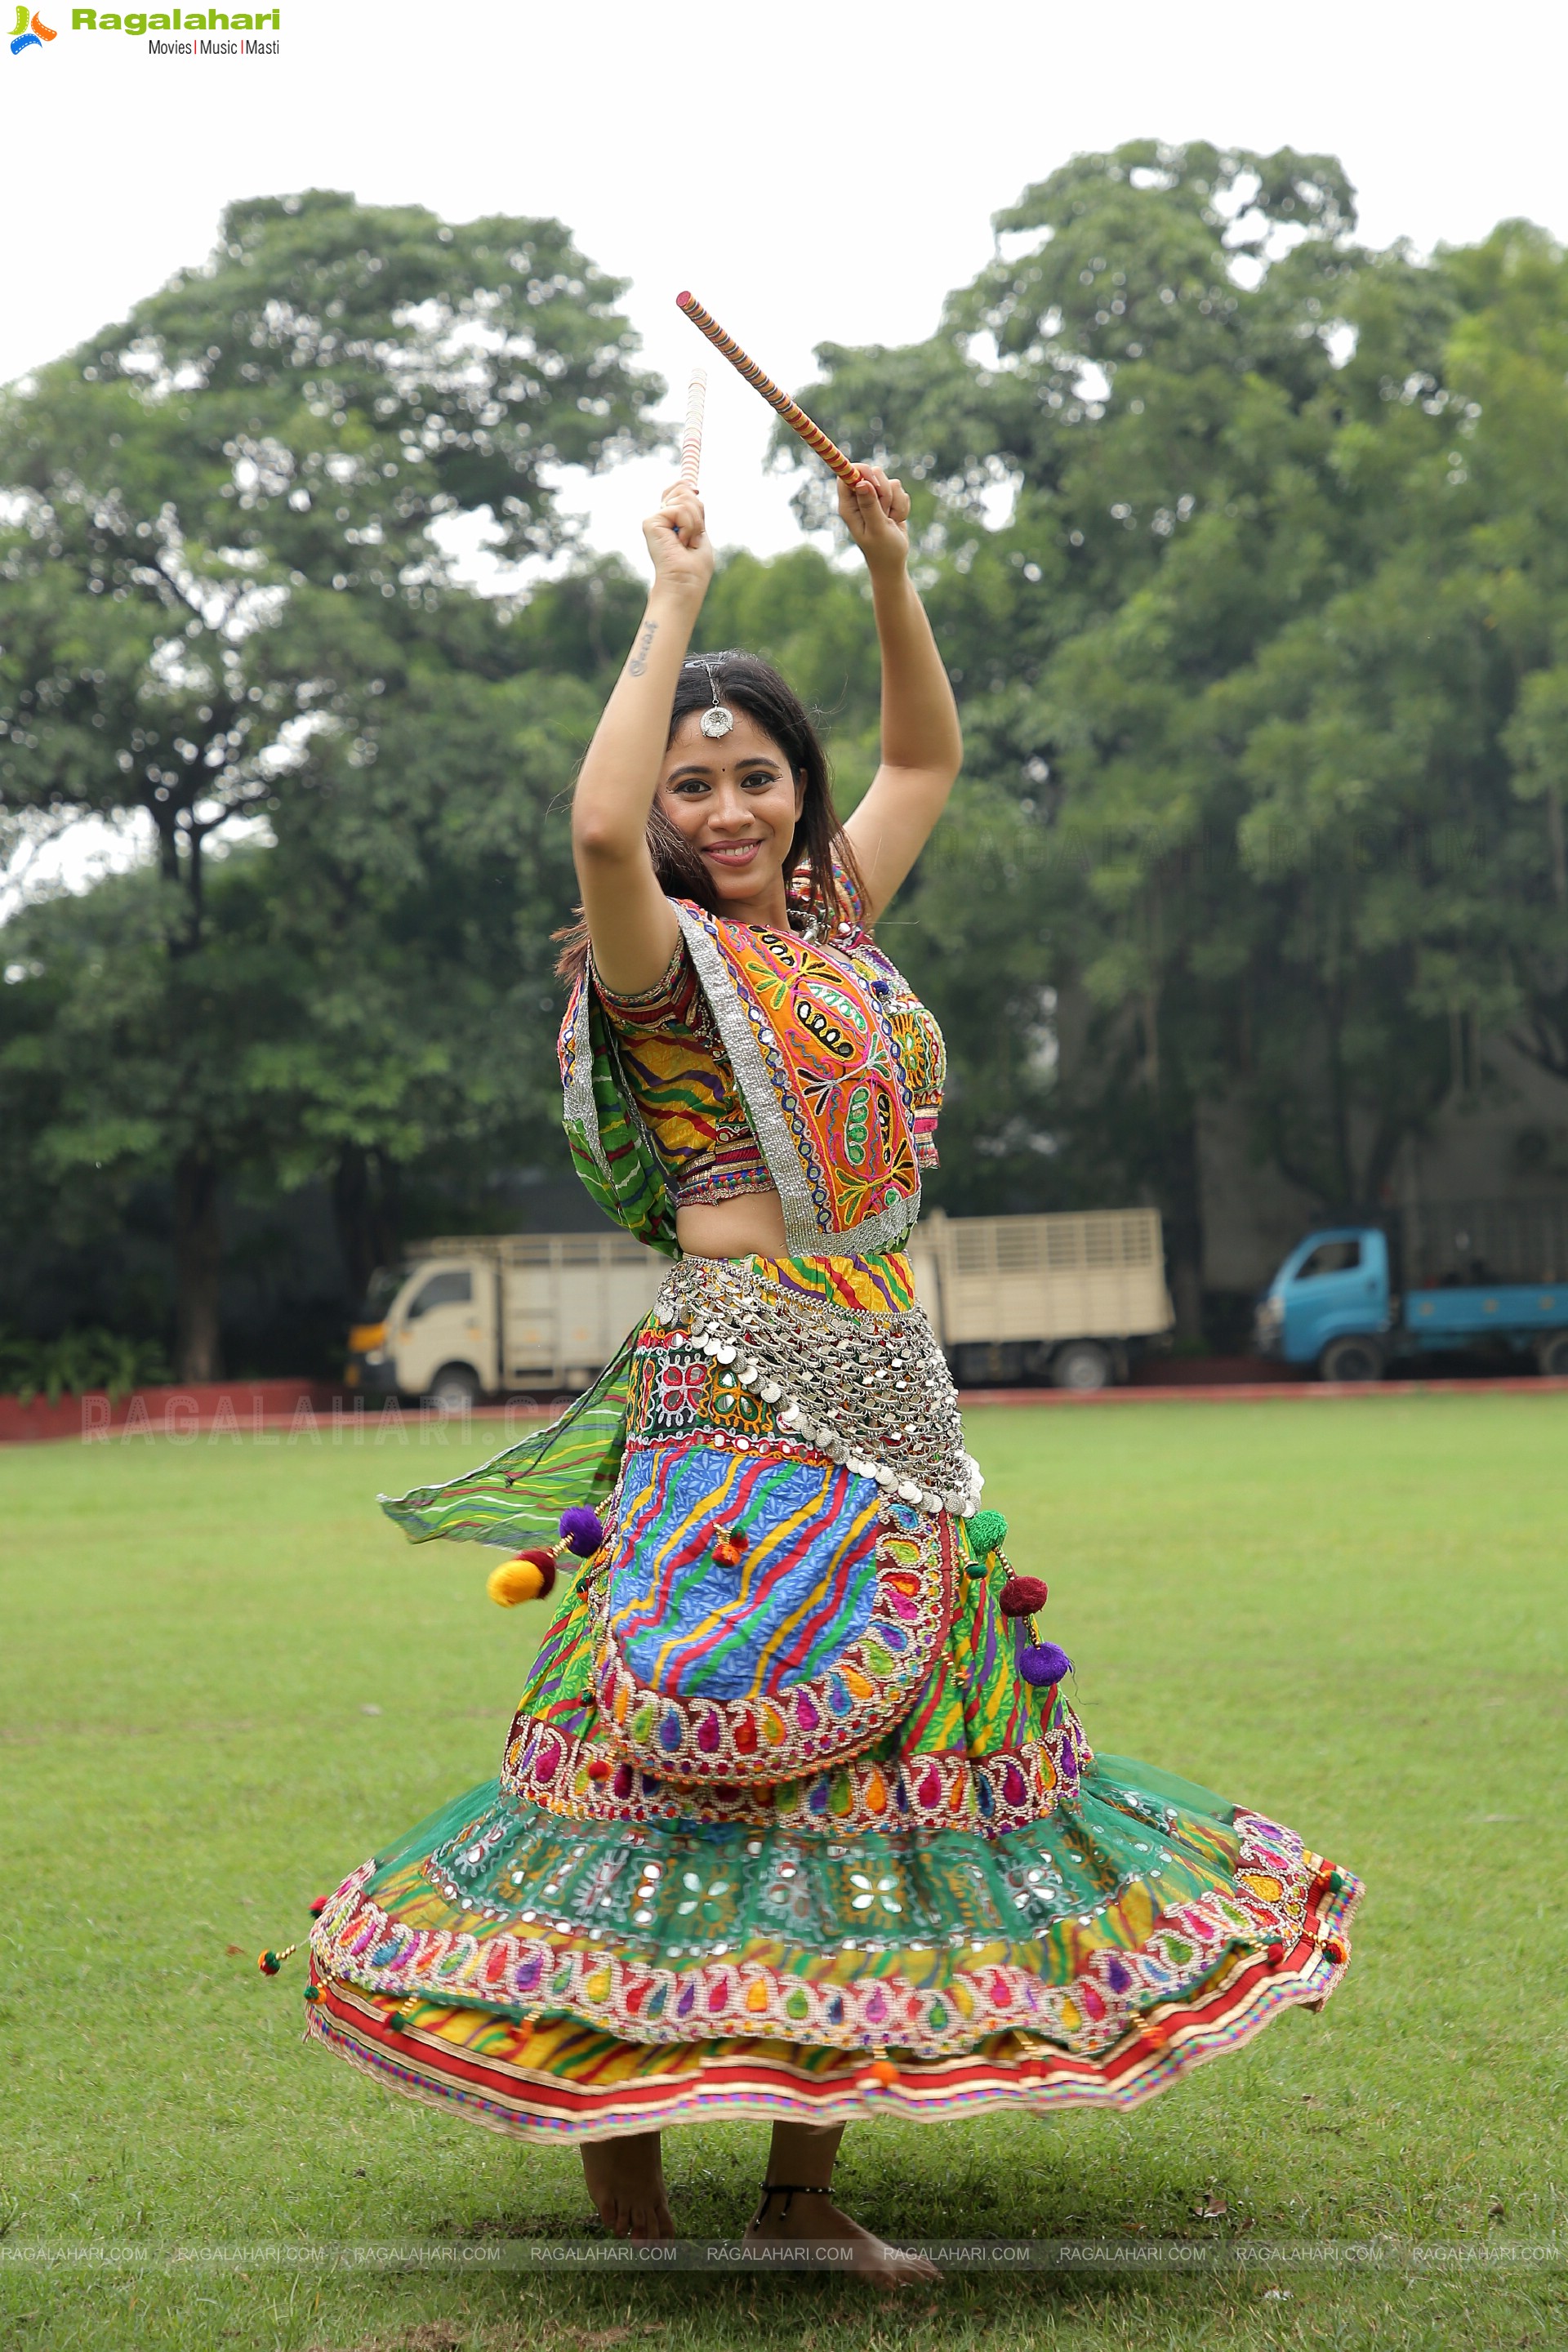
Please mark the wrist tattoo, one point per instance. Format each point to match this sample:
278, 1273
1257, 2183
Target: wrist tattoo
638, 662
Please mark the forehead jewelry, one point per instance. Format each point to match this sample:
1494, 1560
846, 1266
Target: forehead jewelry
718, 720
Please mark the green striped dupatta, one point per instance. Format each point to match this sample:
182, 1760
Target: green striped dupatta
519, 1496
611, 1148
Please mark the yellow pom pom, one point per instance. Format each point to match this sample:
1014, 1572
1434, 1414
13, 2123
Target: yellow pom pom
514, 1581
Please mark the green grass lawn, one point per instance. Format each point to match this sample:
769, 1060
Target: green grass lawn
226, 1679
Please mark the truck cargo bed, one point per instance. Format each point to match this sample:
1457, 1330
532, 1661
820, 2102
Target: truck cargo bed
1095, 1273
1459, 1317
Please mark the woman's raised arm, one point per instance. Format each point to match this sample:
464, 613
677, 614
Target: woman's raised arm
631, 923
922, 748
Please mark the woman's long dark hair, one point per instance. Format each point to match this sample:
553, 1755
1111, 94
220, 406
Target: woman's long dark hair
749, 684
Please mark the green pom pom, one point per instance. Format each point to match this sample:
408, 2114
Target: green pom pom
987, 1532
975, 1567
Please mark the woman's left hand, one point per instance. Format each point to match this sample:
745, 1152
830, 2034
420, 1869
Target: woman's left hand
877, 511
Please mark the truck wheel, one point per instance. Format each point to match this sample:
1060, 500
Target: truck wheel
455, 1388
1082, 1365
1351, 1360
1552, 1356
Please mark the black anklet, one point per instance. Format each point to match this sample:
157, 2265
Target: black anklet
789, 2191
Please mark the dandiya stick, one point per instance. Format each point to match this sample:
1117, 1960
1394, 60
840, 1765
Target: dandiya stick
790, 410
692, 438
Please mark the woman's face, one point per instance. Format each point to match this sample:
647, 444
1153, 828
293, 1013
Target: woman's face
736, 801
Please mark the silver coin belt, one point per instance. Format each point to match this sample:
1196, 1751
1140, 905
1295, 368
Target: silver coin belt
872, 1391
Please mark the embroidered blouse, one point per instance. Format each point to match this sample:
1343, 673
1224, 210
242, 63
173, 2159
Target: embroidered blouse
681, 1076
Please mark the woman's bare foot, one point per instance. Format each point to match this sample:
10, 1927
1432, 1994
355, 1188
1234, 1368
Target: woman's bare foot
625, 2180
819, 2217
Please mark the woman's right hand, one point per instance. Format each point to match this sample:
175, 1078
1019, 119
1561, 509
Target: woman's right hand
678, 543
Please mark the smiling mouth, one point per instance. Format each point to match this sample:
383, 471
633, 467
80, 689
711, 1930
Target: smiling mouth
731, 853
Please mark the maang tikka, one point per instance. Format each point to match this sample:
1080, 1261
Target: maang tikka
719, 720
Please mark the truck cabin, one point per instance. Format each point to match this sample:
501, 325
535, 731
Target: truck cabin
1328, 1303
400, 1298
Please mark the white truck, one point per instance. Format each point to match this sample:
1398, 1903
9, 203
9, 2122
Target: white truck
1066, 1299
481, 1315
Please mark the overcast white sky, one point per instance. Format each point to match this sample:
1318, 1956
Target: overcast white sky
825, 175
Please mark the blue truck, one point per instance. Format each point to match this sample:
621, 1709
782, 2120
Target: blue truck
1486, 1277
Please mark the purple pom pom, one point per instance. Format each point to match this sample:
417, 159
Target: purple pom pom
1044, 1662
581, 1531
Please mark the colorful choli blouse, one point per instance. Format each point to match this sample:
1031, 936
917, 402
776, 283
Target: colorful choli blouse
766, 1061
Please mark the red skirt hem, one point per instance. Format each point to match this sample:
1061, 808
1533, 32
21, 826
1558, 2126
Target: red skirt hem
795, 2083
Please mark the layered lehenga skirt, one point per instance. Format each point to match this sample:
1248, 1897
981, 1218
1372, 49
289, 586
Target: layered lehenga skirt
794, 1819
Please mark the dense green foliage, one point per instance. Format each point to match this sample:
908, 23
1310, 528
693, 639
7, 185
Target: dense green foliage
225, 604
1264, 694
1246, 544
78, 1363
1351, 1614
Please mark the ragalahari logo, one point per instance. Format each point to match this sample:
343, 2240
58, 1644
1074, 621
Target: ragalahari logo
28, 33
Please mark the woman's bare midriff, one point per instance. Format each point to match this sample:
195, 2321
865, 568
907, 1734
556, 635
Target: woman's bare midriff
752, 1226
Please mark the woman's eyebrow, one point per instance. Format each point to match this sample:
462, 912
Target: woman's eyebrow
701, 767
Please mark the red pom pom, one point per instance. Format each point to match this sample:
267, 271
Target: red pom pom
599, 1769
319, 1905
1022, 1595
1274, 1955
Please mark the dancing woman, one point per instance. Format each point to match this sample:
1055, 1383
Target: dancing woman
795, 1820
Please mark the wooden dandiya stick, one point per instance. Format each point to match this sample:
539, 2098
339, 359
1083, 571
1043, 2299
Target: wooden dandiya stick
794, 416
692, 438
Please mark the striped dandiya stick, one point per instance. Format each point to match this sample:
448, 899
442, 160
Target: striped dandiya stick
692, 438
794, 416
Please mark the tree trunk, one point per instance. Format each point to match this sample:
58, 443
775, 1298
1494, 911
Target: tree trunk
1184, 1229
366, 1213
198, 1263
1339, 1110
1557, 846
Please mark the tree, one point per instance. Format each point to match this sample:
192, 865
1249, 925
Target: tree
372, 995
1403, 756
225, 541
1245, 546
118, 1060
1202, 503
421, 892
